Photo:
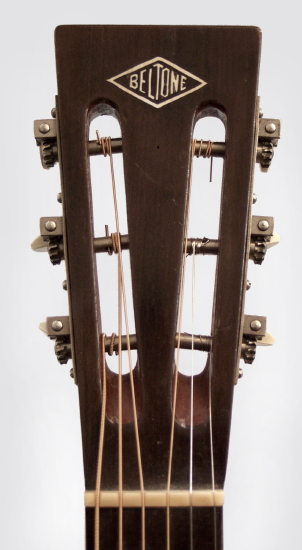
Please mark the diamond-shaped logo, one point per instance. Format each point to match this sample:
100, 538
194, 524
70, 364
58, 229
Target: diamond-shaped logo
157, 82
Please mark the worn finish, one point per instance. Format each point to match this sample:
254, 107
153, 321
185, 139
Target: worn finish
156, 150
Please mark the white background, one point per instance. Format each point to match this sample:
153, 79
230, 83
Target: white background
41, 469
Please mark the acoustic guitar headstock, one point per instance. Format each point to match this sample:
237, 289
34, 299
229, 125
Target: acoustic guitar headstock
155, 442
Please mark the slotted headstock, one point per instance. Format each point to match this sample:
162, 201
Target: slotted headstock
157, 81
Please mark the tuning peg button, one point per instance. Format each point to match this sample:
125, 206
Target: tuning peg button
39, 245
267, 340
275, 239
43, 327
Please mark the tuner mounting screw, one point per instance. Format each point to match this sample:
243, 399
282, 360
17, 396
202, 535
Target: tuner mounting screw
44, 128
260, 113
248, 285
59, 198
254, 198
255, 325
240, 373
57, 326
50, 225
263, 225
64, 285
54, 112
270, 128
71, 373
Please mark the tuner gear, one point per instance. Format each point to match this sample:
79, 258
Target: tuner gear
47, 154
63, 349
55, 251
248, 352
266, 155
259, 251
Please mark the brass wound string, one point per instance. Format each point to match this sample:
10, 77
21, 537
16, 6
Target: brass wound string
123, 301
120, 409
179, 323
100, 453
207, 154
212, 455
192, 400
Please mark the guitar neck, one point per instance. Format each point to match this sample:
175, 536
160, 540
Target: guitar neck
155, 442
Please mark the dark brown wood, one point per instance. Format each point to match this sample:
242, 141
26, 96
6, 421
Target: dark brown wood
156, 152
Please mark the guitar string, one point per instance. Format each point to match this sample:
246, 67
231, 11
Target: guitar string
105, 143
100, 452
121, 279
179, 323
122, 293
208, 154
212, 456
192, 398
120, 409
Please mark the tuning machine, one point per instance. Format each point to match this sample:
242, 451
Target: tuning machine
57, 328
51, 239
268, 136
254, 334
45, 132
262, 237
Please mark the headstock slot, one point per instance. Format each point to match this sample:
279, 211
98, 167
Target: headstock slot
203, 222
103, 214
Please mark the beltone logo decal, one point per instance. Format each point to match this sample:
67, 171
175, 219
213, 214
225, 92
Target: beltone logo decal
157, 82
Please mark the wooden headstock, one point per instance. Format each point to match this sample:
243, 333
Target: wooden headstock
157, 81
